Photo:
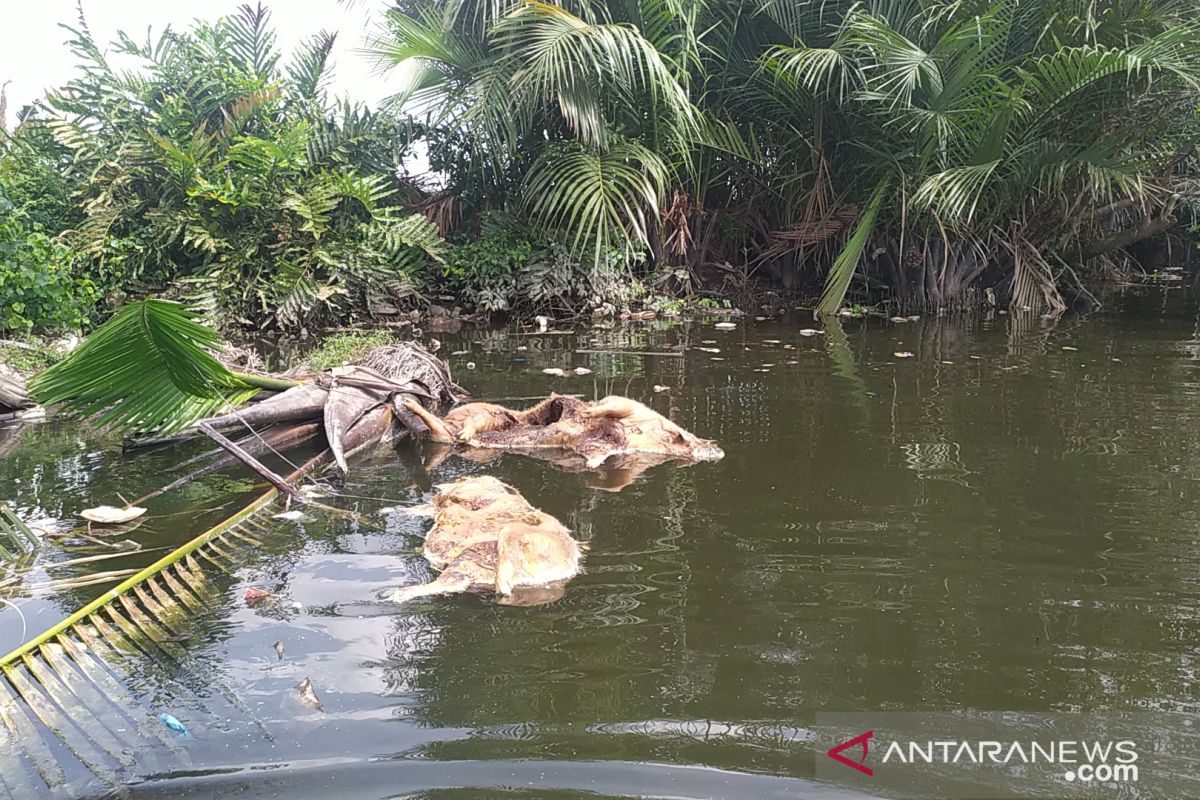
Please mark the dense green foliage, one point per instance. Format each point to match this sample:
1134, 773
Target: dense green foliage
599, 153
506, 264
217, 172
945, 145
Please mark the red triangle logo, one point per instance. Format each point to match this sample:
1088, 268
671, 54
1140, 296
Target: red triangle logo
862, 740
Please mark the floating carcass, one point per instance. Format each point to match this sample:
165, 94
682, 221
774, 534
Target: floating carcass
487, 538
595, 431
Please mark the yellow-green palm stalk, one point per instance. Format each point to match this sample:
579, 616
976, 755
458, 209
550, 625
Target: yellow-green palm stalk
57, 684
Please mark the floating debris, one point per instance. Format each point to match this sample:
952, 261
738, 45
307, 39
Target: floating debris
173, 724
290, 516
772, 341
903, 354
460, 352
308, 696
898, 319
1069, 348
254, 597
470, 365
725, 326
582, 371
709, 349
111, 515
278, 650
810, 332
659, 388
555, 371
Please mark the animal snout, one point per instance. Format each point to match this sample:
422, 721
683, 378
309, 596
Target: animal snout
709, 451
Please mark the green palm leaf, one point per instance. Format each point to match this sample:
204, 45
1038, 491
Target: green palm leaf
597, 197
149, 368
842, 271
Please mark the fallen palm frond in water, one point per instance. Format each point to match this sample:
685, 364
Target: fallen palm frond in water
58, 693
57, 689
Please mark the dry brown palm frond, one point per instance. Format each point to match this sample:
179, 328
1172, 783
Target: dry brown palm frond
409, 361
677, 221
1033, 284
442, 208
810, 233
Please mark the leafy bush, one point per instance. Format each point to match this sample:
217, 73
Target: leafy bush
38, 290
508, 266
222, 173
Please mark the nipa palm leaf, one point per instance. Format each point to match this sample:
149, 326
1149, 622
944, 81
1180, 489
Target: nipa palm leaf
149, 368
842, 271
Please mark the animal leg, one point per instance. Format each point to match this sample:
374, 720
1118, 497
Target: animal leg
438, 431
468, 543
442, 585
467, 434
506, 565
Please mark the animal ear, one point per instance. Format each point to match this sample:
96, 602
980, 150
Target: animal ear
533, 519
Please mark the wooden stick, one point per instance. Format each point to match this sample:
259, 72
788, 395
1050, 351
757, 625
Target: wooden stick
277, 440
251, 462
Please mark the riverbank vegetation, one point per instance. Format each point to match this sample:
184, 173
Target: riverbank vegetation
601, 155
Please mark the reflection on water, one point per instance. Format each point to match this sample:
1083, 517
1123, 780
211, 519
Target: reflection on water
1006, 520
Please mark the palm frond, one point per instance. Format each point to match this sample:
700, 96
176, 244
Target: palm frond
62, 704
149, 368
309, 70
844, 266
597, 197
555, 54
16, 537
954, 193
251, 40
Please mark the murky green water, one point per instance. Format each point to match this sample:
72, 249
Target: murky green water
1005, 520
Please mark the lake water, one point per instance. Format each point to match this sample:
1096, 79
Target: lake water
1006, 520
